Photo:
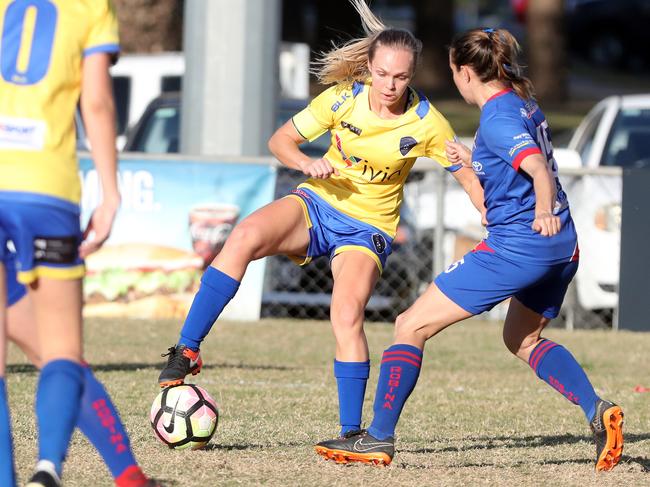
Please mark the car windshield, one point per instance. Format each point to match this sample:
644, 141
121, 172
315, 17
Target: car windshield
629, 139
160, 129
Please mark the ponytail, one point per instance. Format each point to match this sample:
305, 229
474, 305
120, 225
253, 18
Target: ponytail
492, 54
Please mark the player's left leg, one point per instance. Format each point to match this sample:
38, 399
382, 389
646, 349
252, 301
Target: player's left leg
355, 275
556, 366
7, 470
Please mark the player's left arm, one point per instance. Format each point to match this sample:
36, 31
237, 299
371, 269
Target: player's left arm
546, 223
98, 109
508, 137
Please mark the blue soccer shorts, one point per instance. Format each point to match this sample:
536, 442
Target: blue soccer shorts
332, 232
482, 279
15, 290
45, 238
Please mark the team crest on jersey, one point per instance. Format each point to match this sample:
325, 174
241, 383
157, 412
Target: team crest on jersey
350, 127
379, 242
406, 144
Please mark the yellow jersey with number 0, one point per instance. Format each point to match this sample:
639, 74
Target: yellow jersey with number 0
42, 47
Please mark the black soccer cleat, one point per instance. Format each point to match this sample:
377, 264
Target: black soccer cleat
607, 427
358, 446
44, 476
181, 361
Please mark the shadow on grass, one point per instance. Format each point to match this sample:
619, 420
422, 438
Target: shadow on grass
129, 367
251, 446
531, 441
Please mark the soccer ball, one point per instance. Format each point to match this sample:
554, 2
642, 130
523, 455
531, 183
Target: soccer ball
184, 416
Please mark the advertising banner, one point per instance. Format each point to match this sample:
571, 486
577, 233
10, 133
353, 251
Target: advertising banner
174, 219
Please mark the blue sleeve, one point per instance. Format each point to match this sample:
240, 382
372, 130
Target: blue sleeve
509, 139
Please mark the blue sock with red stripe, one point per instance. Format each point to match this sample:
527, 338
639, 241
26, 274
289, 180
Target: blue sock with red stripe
7, 469
216, 291
351, 379
58, 397
399, 372
100, 422
556, 366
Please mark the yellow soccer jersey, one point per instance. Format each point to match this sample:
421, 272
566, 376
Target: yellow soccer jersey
42, 47
373, 155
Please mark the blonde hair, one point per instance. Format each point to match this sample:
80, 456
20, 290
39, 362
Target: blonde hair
348, 62
492, 54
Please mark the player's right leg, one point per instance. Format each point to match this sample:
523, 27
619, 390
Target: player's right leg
399, 371
277, 228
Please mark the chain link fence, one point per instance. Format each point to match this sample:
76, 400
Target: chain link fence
421, 250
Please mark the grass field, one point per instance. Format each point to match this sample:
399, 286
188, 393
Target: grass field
477, 417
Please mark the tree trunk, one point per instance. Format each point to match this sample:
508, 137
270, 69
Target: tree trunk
547, 49
434, 27
150, 25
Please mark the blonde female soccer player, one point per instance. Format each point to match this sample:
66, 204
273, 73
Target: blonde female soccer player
349, 207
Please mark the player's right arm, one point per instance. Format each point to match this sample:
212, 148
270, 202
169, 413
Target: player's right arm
308, 124
98, 109
284, 144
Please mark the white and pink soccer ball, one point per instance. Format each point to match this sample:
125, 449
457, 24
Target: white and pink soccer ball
184, 416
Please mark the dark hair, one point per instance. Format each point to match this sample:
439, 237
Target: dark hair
349, 62
492, 54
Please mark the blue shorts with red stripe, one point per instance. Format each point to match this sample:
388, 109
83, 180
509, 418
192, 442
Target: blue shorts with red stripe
483, 278
332, 232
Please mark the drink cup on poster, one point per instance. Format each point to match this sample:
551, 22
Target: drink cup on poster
210, 225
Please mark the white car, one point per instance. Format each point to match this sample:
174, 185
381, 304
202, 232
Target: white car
614, 134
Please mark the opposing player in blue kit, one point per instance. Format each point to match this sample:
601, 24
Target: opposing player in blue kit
348, 209
530, 256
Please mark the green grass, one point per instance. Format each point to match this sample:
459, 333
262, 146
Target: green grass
477, 417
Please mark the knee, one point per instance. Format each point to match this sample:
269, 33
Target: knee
347, 316
520, 346
245, 238
405, 326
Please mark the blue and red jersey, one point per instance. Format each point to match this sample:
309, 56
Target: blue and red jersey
510, 130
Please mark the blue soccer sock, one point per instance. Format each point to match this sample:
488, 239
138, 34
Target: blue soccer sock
399, 372
216, 291
7, 470
351, 379
58, 397
556, 366
100, 422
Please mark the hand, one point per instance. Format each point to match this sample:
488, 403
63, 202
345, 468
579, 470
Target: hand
458, 153
546, 224
99, 227
319, 169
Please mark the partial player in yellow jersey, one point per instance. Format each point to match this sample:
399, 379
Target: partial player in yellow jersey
348, 209
53, 55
